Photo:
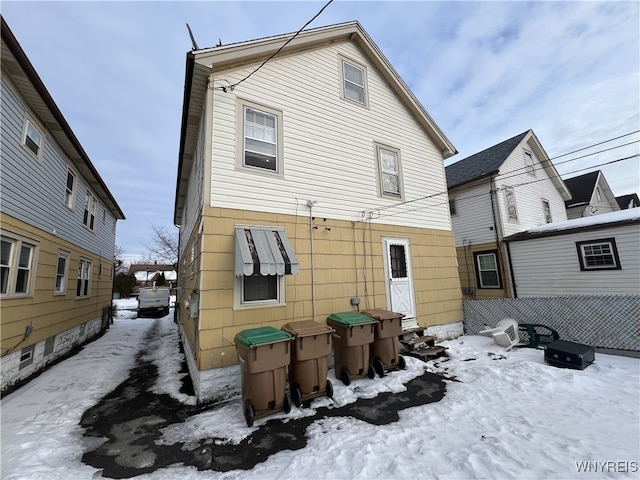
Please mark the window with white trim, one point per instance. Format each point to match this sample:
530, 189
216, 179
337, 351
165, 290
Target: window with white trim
61, 273
354, 81
260, 288
260, 139
487, 271
70, 188
601, 254
390, 172
83, 282
32, 138
529, 164
49, 345
546, 211
510, 201
89, 218
17, 264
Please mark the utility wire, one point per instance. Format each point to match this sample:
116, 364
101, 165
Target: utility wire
521, 170
229, 88
470, 197
595, 145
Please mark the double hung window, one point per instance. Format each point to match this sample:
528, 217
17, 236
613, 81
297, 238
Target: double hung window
89, 218
510, 201
487, 270
598, 255
17, 263
70, 188
32, 138
260, 145
83, 283
390, 172
61, 273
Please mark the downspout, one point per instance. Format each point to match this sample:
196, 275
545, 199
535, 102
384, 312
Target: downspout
495, 228
310, 204
513, 277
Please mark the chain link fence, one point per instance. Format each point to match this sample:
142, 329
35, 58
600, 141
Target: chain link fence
608, 321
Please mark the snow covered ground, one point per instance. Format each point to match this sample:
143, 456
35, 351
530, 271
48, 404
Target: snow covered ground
506, 415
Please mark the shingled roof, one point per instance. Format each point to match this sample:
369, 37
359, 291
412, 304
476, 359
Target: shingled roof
624, 201
581, 188
481, 164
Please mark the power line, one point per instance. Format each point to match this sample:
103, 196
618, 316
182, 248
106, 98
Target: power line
595, 145
486, 193
231, 87
519, 171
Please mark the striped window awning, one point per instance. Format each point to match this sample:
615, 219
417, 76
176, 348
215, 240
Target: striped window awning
264, 251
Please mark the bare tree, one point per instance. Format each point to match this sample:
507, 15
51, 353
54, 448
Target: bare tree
164, 249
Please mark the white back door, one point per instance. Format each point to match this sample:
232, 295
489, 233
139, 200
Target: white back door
399, 280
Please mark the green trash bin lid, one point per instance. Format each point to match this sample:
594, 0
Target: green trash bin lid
349, 319
252, 337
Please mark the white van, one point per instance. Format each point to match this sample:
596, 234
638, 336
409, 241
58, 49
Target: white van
153, 300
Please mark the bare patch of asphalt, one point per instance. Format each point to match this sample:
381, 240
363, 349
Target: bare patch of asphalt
131, 418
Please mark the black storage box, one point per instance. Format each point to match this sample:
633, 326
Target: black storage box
562, 353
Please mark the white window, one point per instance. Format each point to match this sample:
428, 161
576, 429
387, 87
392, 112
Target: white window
260, 139
546, 210
354, 82
83, 284
453, 207
89, 219
61, 273
598, 255
528, 164
510, 200
69, 193
390, 172
100, 270
32, 138
487, 272
598, 195
16, 267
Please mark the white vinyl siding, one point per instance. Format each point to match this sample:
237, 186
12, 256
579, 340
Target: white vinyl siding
473, 221
327, 150
550, 266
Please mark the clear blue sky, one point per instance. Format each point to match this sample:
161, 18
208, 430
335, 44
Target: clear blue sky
485, 71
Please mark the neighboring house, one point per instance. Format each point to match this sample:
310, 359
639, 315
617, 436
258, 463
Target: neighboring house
147, 275
497, 192
628, 201
596, 255
303, 189
590, 195
58, 227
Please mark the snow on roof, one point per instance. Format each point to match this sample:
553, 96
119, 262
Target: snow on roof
622, 216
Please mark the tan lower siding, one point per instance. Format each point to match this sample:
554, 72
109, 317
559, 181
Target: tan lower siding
46, 313
348, 262
467, 271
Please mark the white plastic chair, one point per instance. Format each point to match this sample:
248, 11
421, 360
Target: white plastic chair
505, 333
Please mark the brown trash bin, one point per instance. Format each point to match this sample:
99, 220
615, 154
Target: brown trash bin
353, 336
384, 353
263, 354
308, 370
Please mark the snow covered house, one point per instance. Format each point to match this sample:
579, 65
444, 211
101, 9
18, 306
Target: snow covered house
58, 226
595, 255
293, 183
590, 195
502, 190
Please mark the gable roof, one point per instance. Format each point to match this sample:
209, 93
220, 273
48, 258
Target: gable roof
581, 188
200, 63
25, 77
625, 200
482, 164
